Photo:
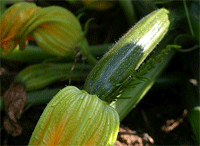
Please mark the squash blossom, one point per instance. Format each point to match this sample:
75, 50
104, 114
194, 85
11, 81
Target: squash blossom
55, 29
12, 21
74, 117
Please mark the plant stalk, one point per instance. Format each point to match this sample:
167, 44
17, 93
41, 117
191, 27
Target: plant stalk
33, 54
124, 106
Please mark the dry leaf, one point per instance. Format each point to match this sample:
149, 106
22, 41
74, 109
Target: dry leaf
14, 100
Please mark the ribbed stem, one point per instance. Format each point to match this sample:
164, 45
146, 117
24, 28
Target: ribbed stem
124, 106
40, 75
128, 11
33, 54
188, 17
45, 95
84, 50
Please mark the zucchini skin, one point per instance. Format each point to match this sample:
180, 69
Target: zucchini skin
127, 54
38, 76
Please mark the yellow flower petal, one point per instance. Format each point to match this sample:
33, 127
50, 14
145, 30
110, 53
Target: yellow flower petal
11, 23
74, 117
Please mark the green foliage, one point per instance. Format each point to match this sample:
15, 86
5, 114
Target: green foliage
142, 69
151, 62
138, 77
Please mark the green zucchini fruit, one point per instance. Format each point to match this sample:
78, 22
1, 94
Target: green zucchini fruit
40, 75
125, 57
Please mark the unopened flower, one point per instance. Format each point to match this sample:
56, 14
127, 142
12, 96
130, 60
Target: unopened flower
12, 21
55, 29
74, 117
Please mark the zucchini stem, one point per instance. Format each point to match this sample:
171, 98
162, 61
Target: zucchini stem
188, 17
128, 11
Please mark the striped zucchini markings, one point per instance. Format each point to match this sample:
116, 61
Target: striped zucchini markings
126, 56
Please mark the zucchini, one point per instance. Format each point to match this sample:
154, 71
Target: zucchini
127, 54
41, 75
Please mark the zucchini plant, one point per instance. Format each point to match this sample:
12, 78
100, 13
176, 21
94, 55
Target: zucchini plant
91, 113
115, 67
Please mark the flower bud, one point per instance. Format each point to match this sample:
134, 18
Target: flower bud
55, 29
12, 21
74, 117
